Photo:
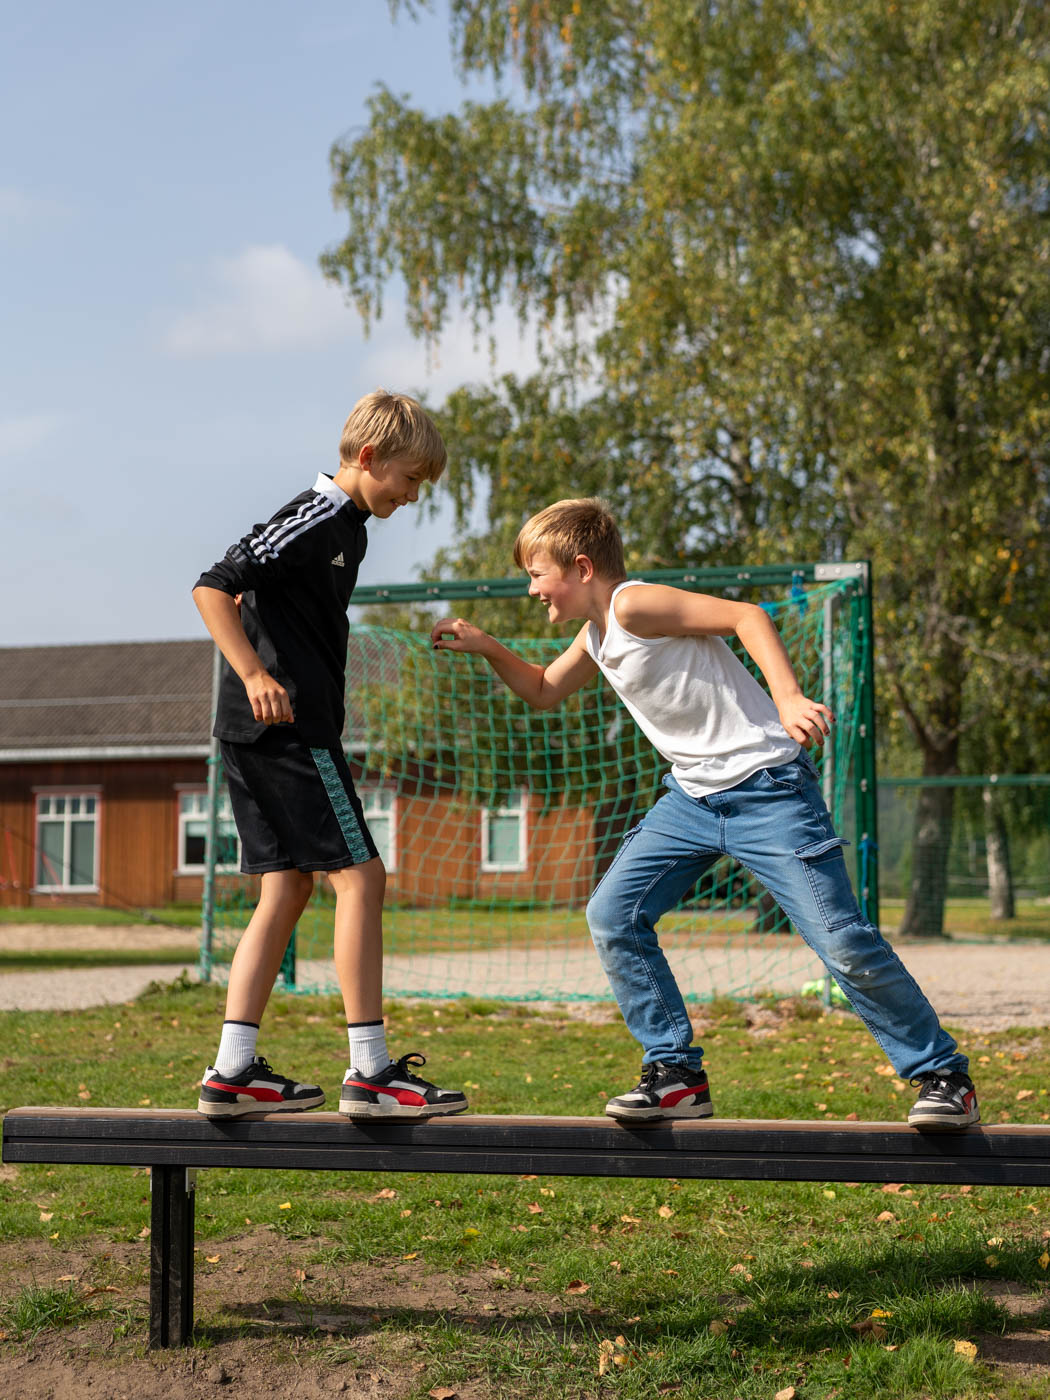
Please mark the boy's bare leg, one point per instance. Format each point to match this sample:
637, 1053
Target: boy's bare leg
257, 960
358, 944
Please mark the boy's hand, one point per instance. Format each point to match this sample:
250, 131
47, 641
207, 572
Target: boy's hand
464, 636
269, 699
807, 721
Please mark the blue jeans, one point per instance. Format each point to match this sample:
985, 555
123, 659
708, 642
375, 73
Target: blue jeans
776, 824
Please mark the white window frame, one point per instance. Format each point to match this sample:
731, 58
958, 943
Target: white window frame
517, 804
381, 802
45, 799
183, 867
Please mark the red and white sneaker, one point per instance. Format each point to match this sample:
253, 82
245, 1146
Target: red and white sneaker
664, 1091
256, 1089
947, 1101
395, 1092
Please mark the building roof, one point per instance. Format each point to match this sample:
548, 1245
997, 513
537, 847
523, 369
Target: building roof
145, 699
105, 699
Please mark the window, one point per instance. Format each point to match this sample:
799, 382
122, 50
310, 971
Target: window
67, 841
380, 809
193, 833
503, 834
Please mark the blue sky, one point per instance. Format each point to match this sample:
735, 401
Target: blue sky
172, 365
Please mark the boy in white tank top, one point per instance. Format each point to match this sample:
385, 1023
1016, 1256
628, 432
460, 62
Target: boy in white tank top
741, 784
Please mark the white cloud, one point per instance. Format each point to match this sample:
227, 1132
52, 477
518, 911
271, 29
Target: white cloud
264, 299
24, 433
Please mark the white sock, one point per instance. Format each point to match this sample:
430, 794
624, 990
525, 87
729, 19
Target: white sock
368, 1052
236, 1047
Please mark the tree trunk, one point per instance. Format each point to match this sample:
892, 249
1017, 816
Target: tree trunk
997, 845
924, 911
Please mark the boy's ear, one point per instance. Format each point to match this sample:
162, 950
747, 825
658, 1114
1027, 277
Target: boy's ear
585, 567
366, 457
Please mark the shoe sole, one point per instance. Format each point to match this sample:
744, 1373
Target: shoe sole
399, 1110
239, 1109
650, 1115
944, 1124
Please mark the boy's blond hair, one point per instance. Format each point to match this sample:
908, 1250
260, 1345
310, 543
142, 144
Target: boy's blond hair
396, 426
569, 528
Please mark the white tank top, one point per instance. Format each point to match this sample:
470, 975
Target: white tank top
694, 701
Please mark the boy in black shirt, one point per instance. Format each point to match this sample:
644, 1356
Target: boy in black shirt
276, 608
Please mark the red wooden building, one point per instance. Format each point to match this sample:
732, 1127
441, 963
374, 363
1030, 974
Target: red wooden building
103, 784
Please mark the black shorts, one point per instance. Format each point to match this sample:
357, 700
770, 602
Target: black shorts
295, 806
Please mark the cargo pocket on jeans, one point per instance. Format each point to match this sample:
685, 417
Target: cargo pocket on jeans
825, 868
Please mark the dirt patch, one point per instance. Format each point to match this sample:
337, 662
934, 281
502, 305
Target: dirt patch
286, 1317
41, 938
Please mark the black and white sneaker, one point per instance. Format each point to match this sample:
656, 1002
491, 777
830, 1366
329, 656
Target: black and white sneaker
257, 1089
664, 1091
395, 1092
946, 1101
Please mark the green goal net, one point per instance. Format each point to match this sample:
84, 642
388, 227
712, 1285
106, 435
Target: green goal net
495, 821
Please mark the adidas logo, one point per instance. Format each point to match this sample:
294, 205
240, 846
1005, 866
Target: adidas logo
339, 562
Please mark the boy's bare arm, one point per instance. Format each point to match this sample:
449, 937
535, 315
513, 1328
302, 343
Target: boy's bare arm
659, 611
543, 687
269, 699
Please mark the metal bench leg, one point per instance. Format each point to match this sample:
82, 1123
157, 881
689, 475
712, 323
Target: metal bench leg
171, 1256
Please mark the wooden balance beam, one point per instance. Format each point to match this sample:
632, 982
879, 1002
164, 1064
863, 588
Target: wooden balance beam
175, 1143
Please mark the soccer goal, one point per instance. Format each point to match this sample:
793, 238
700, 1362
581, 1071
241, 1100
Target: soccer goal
496, 821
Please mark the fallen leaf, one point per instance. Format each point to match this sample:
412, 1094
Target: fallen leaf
665, 1212
630, 1219
886, 1215
578, 1286
442, 1392
717, 1328
1044, 1260
788, 1393
212, 1258
606, 1349
1025, 1093
144, 1233
285, 1205
66, 1278
535, 1209
47, 1215
387, 1194
144, 1103
868, 1327
966, 1350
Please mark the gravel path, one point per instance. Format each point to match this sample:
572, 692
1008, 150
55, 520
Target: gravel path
975, 986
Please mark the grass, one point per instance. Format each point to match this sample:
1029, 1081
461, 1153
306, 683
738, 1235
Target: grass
694, 1288
170, 915
48, 959
970, 918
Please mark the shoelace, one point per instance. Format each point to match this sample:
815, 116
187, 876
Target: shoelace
412, 1058
937, 1086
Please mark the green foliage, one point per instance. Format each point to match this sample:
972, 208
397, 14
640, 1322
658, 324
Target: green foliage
789, 265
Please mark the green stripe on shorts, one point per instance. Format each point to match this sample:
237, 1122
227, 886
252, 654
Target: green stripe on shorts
344, 812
